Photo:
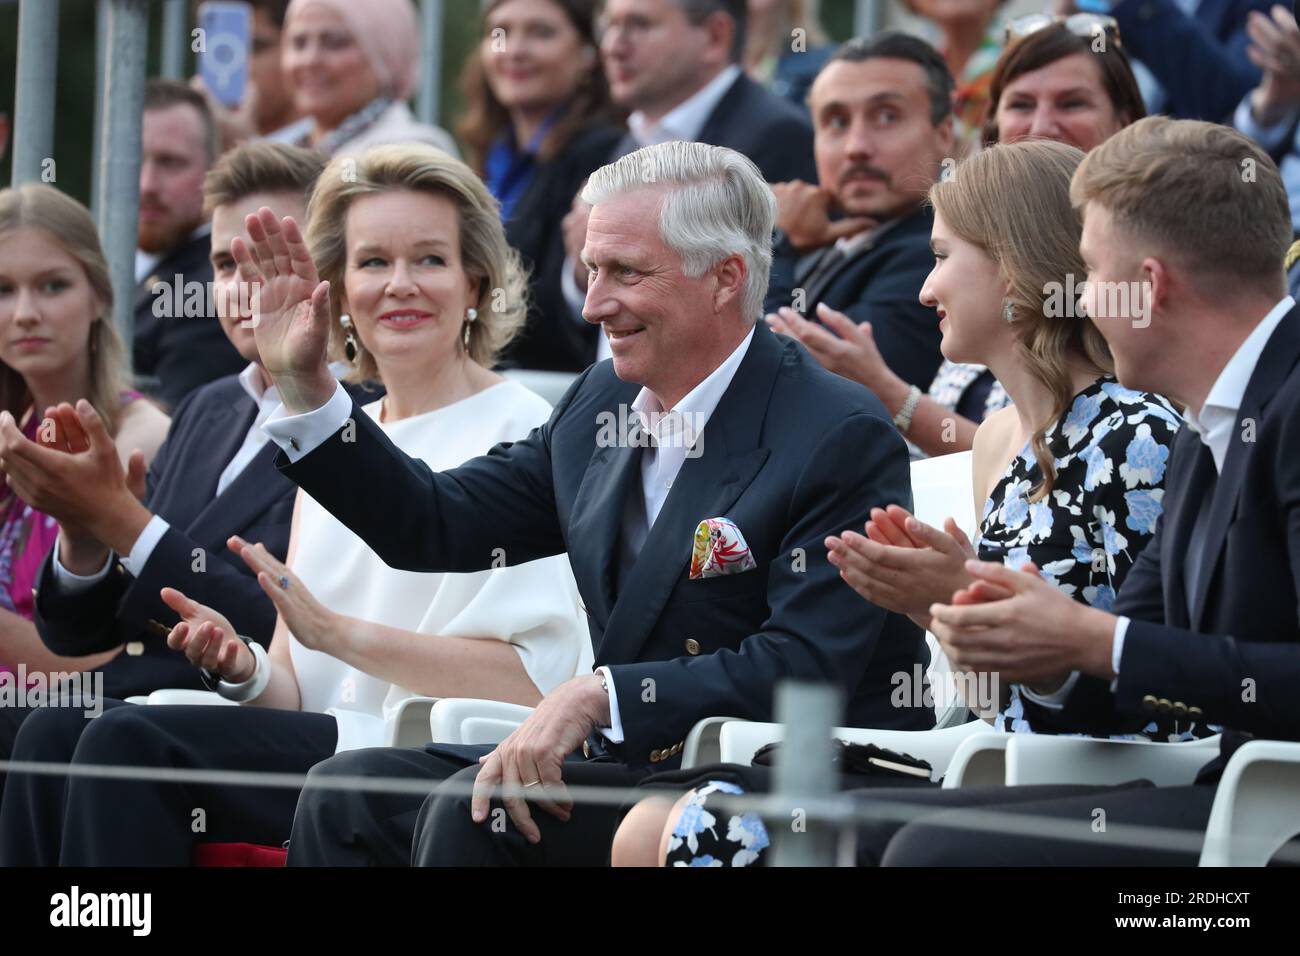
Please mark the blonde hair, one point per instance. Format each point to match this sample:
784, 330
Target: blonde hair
1205, 194
261, 167
1013, 202
486, 256
67, 222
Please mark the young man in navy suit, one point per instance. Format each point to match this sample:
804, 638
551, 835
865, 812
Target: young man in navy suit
98, 590
692, 481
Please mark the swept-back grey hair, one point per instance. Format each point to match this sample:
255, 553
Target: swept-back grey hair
716, 205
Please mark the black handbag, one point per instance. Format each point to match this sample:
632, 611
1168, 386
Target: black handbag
861, 760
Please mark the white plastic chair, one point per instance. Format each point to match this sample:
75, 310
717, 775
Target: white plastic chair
1046, 758
1256, 806
550, 385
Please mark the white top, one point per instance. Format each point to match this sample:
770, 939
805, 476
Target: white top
533, 606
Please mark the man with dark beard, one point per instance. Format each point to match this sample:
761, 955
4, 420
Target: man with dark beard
859, 243
178, 343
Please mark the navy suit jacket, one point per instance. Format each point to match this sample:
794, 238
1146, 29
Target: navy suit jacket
1200, 61
880, 285
791, 454
207, 430
1235, 655
774, 133
552, 339
175, 354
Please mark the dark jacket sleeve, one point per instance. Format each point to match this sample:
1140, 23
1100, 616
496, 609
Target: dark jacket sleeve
817, 628
417, 519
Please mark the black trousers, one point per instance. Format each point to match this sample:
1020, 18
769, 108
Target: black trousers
1133, 824
87, 821
359, 828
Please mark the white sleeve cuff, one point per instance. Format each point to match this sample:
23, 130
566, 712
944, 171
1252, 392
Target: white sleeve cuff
574, 297
1056, 699
299, 435
614, 732
144, 545
1117, 649
1270, 138
72, 583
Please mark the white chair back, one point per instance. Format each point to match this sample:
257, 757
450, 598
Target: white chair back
941, 489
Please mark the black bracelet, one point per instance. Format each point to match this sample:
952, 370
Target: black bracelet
211, 680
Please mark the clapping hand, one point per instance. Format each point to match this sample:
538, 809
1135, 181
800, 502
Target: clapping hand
1275, 49
903, 564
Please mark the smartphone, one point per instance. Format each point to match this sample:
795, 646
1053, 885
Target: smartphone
227, 38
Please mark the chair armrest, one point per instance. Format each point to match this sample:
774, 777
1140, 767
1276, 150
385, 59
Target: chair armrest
980, 760
1045, 758
408, 725
181, 695
1255, 809
465, 720
702, 745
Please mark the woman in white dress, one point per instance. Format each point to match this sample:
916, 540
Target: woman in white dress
426, 292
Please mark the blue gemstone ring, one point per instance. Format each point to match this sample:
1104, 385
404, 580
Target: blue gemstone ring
284, 582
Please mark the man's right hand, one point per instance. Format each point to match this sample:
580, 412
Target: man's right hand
291, 313
803, 214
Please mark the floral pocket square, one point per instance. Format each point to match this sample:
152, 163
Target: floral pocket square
719, 549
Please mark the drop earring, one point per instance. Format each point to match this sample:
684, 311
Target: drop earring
470, 316
349, 340
1008, 310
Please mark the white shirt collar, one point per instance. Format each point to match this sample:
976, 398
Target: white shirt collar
686, 120
1215, 421
695, 408
252, 381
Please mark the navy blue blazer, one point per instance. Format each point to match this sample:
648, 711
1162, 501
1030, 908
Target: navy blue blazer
791, 454
175, 354
881, 285
1200, 61
206, 432
1235, 654
772, 131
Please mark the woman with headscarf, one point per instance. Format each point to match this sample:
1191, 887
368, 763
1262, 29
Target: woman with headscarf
351, 68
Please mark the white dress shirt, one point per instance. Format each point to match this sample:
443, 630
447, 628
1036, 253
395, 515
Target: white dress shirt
1214, 424
267, 400
684, 122
299, 435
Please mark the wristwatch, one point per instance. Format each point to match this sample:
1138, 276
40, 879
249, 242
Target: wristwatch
213, 681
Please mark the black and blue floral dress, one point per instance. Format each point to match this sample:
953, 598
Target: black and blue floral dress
1109, 450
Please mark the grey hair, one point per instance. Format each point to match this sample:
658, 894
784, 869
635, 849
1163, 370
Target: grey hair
717, 205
